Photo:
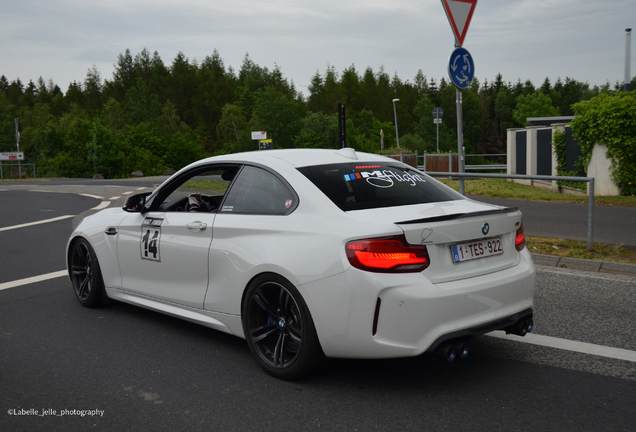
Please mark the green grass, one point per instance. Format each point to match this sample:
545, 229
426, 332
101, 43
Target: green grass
575, 249
206, 185
501, 188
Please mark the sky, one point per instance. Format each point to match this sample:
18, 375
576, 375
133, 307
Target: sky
60, 40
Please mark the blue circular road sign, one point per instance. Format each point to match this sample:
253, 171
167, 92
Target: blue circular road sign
461, 68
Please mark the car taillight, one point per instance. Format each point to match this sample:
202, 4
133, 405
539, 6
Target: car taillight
387, 255
520, 239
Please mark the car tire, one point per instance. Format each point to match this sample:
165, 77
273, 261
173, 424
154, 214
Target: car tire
86, 275
279, 330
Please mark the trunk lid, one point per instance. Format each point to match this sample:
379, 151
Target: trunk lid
469, 225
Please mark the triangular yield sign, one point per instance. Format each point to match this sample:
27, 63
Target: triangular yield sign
459, 13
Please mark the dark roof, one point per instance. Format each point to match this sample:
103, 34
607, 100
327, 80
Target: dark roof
547, 121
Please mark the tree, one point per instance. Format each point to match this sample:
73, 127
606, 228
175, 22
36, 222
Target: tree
279, 116
533, 105
93, 91
504, 104
318, 130
4, 84
426, 129
216, 89
124, 76
181, 87
232, 130
141, 105
350, 89
315, 102
75, 94
421, 84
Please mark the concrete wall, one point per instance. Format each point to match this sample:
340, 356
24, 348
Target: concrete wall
531, 156
599, 166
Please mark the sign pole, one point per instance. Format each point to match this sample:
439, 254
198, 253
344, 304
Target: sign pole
460, 132
461, 68
17, 140
460, 140
437, 137
342, 126
438, 112
628, 52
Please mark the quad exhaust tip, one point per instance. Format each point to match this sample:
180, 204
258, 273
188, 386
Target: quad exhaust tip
521, 327
458, 350
452, 352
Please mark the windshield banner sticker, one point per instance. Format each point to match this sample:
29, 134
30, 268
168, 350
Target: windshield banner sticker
385, 178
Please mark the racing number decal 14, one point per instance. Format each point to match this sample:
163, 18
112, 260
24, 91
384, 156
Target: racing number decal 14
151, 239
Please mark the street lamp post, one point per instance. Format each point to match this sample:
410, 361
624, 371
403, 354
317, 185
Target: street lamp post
397, 138
628, 53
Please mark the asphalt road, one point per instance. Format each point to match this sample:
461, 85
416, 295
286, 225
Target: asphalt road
612, 225
126, 368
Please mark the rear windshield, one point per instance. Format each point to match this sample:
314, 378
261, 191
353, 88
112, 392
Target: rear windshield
356, 186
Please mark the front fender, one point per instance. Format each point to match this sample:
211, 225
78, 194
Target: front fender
93, 228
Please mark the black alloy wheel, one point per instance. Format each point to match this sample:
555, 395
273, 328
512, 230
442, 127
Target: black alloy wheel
279, 329
86, 274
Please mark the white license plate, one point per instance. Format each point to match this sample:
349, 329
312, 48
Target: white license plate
478, 249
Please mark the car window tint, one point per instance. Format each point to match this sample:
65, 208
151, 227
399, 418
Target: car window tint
209, 184
357, 186
257, 191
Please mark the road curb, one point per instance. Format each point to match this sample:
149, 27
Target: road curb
584, 264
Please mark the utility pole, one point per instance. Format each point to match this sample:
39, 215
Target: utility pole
17, 141
628, 54
397, 138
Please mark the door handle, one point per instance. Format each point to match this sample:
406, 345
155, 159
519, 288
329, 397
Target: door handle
197, 226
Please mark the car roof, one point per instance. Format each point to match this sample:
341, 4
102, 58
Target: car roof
298, 157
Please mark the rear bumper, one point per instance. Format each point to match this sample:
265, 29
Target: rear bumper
414, 315
501, 324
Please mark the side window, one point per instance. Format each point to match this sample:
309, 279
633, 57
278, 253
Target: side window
202, 191
257, 191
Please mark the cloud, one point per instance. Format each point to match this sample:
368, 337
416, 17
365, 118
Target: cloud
526, 39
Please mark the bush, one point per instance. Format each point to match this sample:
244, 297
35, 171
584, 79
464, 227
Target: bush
611, 120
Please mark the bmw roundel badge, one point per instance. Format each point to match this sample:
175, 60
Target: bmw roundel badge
485, 228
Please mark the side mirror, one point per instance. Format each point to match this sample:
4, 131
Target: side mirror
136, 203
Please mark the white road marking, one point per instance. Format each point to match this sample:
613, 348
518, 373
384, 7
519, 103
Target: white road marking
103, 205
127, 193
93, 196
34, 279
47, 191
114, 198
141, 188
569, 345
55, 219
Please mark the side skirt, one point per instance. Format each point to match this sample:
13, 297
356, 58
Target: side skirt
218, 321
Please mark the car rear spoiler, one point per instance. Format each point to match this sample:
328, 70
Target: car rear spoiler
459, 216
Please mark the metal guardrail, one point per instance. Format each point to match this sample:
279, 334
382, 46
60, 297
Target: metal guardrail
486, 167
590, 180
470, 167
450, 155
